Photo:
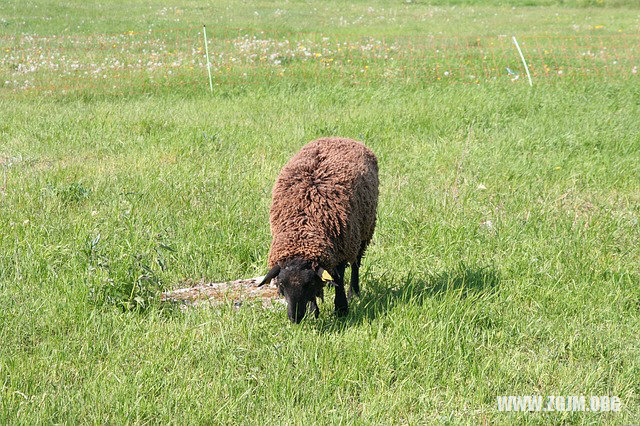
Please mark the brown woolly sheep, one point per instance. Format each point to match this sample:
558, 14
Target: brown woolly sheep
323, 215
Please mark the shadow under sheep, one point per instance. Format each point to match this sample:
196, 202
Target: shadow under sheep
380, 295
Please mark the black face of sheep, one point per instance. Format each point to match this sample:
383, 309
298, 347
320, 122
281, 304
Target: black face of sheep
300, 285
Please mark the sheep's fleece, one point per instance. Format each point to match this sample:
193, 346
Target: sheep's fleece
324, 203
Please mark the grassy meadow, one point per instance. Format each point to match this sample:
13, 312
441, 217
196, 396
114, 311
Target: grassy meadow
505, 261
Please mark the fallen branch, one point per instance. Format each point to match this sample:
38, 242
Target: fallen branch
213, 294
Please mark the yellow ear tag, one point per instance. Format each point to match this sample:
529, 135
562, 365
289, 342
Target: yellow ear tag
326, 276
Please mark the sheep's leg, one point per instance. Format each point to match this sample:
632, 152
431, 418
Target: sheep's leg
354, 285
341, 304
313, 308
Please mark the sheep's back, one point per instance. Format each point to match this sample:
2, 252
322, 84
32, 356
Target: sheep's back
324, 203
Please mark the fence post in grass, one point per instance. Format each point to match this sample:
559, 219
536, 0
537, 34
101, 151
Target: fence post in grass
206, 50
523, 61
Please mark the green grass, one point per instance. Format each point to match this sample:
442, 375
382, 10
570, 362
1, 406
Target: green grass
505, 261
382, 16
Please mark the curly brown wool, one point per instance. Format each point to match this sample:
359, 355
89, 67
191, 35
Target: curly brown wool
324, 204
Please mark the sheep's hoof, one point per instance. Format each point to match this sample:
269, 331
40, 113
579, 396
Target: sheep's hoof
353, 293
313, 308
342, 311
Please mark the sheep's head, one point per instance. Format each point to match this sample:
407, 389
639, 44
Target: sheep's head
300, 285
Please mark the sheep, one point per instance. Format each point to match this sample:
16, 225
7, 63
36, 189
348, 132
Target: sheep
322, 217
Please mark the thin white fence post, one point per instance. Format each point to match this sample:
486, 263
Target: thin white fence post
206, 49
523, 61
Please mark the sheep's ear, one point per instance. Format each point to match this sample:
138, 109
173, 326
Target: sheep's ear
324, 275
270, 275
